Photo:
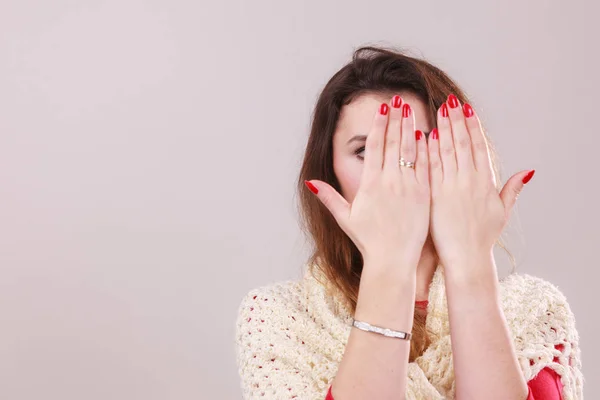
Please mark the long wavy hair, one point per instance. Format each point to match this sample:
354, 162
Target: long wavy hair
374, 70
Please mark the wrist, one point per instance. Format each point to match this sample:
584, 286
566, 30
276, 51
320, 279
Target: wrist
473, 266
475, 278
386, 297
388, 262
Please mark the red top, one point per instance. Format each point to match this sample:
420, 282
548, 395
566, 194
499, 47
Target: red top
544, 386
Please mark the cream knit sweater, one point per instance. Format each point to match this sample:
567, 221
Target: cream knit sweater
291, 338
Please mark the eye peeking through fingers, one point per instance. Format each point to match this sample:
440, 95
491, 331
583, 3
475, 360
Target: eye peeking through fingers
358, 151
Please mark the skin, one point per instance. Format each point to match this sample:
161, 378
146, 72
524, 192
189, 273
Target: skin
467, 215
356, 118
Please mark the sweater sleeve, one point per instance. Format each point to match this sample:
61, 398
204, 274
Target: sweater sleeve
550, 344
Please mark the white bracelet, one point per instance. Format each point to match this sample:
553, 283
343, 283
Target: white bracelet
382, 331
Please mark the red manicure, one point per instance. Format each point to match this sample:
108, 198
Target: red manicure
452, 101
468, 110
434, 134
528, 177
311, 187
418, 134
383, 110
406, 110
397, 101
444, 108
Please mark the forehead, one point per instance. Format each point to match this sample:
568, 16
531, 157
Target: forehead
357, 117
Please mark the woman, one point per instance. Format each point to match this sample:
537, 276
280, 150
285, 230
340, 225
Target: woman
402, 298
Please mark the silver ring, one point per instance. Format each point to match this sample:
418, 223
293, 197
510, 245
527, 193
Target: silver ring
404, 163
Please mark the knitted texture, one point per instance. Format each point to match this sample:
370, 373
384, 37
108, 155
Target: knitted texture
291, 338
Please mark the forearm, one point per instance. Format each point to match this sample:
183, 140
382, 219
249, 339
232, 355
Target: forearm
485, 362
375, 366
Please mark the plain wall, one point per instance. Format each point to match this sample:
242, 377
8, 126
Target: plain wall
149, 151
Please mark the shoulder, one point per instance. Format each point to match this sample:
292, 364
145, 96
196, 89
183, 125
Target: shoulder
288, 340
540, 318
543, 328
531, 294
530, 301
269, 303
523, 286
263, 338
298, 306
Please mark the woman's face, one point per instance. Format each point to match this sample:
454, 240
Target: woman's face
355, 119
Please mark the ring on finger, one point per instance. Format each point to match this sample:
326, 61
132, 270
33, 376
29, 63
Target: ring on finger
404, 163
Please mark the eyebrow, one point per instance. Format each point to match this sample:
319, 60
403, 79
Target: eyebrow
362, 138
357, 138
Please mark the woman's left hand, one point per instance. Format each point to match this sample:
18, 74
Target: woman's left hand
467, 212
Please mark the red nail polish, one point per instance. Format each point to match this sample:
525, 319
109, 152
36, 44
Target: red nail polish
528, 177
434, 134
406, 110
452, 101
397, 101
418, 134
468, 110
311, 187
444, 109
383, 110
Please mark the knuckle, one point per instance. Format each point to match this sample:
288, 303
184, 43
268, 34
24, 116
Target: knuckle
326, 200
409, 152
447, 150
373, 142
480, 146
463, 142
435, 164
392, 141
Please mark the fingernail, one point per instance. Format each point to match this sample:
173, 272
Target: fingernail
529, 175
434, 134
452, 101
405, 110
468, 110
311, 187
383, 110
397, 101
444, 108
418, 134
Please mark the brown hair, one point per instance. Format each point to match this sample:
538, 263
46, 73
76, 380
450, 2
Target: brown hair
374, 70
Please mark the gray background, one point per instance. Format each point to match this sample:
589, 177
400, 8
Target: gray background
148, 153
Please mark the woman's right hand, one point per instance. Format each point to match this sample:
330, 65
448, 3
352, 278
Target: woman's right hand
389, 216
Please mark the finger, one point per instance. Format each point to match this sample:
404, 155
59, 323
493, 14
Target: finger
479, 145
422, 161
447, 153
513, 187
392, 138
332, 200
374, 144
460, 134
435, 162
408, 143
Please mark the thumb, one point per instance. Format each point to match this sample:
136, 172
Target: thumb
335, 202
513, 187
